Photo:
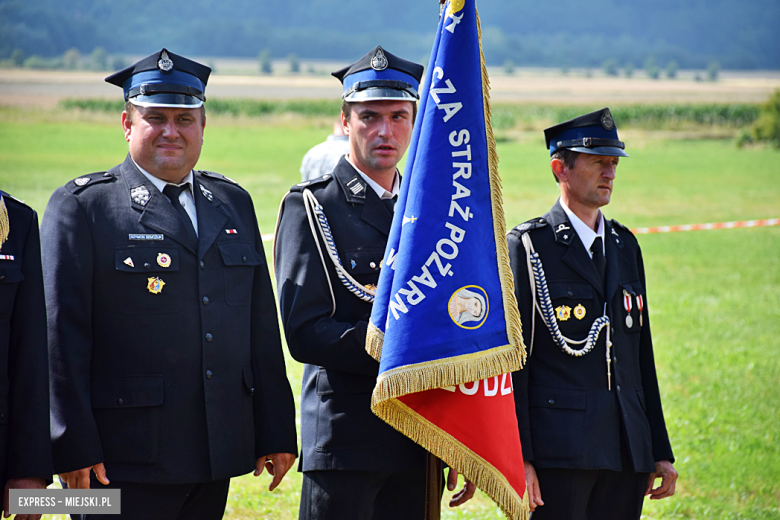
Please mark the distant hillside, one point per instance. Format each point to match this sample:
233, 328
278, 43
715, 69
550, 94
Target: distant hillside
566, 33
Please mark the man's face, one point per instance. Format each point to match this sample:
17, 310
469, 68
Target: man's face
589, 183
379, 134
165, 141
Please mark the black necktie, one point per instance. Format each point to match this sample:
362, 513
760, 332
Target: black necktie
390, 203
597, 249
172, 192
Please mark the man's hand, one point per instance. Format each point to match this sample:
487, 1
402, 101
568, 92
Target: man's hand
462, 496
79, 479
277, 464
532, 486
21, 483
668, 475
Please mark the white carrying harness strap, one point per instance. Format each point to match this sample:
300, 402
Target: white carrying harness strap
319, 225
538, 283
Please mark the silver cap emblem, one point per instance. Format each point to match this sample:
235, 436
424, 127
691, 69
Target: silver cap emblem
165, 64
140, 195
606, 120
379, 61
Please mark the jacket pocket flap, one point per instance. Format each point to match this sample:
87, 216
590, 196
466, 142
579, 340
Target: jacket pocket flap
633, 288
239, 253
557, 398
147, 259
127, 392
11, 274
579, 291
364, 261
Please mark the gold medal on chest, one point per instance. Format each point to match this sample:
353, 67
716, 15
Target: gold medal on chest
155, 285
163, 260
579, 312
563, 312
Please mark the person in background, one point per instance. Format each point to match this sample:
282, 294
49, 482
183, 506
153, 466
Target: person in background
588, 405
322, 158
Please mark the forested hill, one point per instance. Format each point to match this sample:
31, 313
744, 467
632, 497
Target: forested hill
565, 33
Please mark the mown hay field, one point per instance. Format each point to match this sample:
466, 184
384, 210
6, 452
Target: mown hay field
714, 296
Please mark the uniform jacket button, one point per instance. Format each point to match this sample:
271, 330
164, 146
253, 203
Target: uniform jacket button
552, 402
209, 337
618, 388
251, 391
120, 401
208, 374
2, 278
205, 300
202, 265
243, 259
147, 265
570, 294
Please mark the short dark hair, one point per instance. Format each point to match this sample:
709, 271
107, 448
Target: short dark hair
129, 108
569, 158
346, 109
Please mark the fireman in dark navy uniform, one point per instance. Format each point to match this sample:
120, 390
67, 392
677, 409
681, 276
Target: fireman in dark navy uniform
167, 372
330, 241
25, 445
588, 404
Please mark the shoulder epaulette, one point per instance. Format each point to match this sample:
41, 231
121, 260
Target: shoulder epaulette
621, 226
80, 183
528, 225
305, 184
215, 175
7, 196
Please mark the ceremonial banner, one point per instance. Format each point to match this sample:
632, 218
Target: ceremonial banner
444, 324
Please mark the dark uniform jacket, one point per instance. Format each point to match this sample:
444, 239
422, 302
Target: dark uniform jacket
338, 429
185, 385
568, 418
25, 446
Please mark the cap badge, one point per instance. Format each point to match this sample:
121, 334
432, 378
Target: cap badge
165, 64
206, 193
606, 120
155, 285
140, 195
379, 61
81, 181
163, 260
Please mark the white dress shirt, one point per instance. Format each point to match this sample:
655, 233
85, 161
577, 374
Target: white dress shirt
585, 232
379, 190
186, 198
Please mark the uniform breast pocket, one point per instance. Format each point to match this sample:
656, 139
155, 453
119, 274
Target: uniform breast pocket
240, 260
575, 307
364, 264
10, 278
633, 308
142, 274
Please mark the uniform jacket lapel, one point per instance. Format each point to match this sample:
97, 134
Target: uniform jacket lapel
157, 212
357, 191
616, 261
576, 256
211, 217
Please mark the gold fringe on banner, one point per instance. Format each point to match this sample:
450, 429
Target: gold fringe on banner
374, 340
443, 372
473, 467
514, 327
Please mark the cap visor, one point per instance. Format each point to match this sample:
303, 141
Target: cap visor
166, 99
379, 94
601, 150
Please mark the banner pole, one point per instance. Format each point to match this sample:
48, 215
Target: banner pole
434, 484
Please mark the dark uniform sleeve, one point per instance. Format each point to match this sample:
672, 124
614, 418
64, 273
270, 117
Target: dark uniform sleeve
274, 406
29, 446
518, 263
68, 274
305, 301
662, 449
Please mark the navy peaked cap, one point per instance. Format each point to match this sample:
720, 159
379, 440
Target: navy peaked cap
593, 133
163, 79
380, 75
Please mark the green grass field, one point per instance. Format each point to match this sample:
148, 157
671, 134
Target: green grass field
714, 296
